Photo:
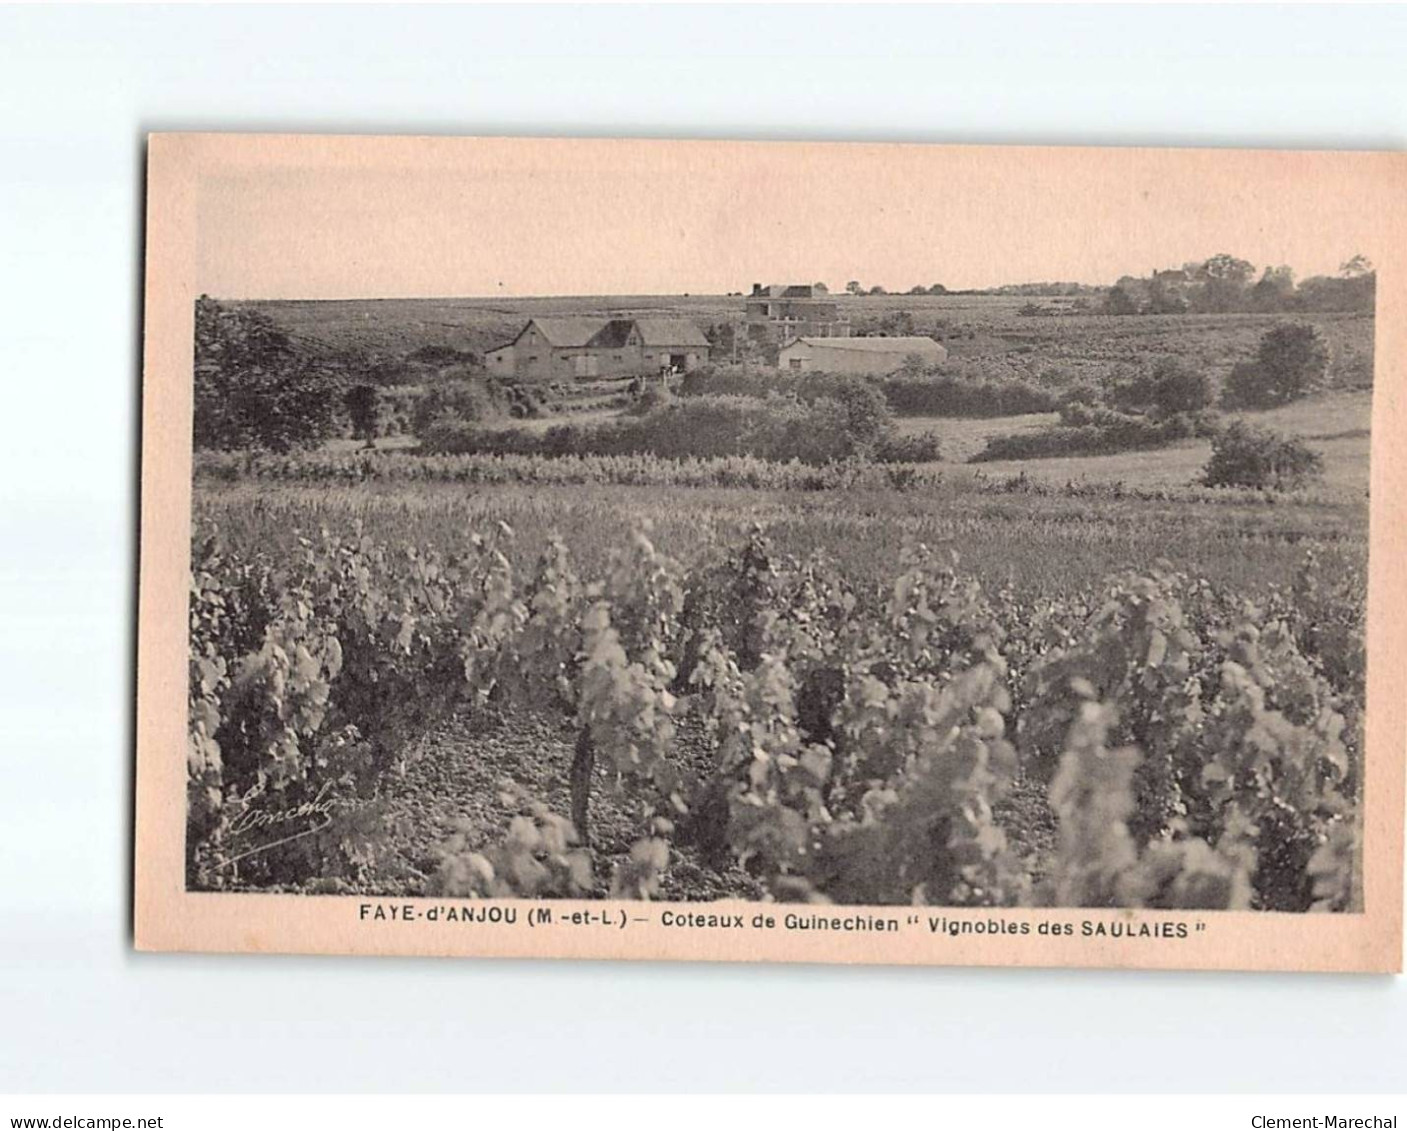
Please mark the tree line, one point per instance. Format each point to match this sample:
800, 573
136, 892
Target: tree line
1225, 284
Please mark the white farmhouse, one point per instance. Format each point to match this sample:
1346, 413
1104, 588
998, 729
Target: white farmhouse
877, 356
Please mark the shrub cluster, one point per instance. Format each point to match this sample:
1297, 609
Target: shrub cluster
938, 394
1171, 386
1096, 431
921, 447
777, 428
473, 400
1246, 456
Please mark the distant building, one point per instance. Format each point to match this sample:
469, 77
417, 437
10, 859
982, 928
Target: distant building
546, 349
858, 355
565, 349
671, 343
779, 314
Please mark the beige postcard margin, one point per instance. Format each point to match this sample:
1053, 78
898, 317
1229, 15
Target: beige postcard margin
1368, 188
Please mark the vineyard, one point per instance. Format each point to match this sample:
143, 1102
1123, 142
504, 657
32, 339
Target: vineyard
767, 724
778, 636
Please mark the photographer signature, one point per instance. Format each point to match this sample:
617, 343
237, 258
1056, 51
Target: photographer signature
318, 810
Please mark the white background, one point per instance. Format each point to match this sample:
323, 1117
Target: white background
78, 89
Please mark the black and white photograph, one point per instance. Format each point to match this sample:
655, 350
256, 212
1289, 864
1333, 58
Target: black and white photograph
695, 523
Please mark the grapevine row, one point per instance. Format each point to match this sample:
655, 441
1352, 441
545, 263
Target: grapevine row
1192, 750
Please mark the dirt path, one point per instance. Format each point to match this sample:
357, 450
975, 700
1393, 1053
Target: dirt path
455, 779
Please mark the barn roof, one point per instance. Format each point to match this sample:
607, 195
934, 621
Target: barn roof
566, 332
613, 334
789, 290
904, 344
609, 333
670, 332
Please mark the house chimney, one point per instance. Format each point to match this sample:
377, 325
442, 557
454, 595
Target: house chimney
757, 288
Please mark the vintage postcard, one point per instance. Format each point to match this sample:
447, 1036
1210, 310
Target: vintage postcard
791, 552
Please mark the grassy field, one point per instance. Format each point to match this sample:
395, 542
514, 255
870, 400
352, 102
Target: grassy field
1335, 426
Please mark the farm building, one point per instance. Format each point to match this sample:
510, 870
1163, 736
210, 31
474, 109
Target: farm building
562, 349
782, 312
671, 343
858, 355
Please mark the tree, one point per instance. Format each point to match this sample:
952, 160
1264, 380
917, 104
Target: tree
253, 389
1165, 293
1290, 361
853, 287
1356, 267
362, 402
920, 289
1227, 268
1120, 301
1295, 358
937, 289
722, 338
820, 288
1338, 292
878, 290
1224, 279
1274, 290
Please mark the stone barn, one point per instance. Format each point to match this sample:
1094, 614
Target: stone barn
546, 349
671, 343
876, 356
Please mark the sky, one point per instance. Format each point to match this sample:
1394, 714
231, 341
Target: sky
283, 217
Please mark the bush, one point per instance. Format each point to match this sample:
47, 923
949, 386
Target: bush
734, 380
867, 413
1081, 393
467, 402
1290, 363
921, 447
1171, 387
649, 399
1246, 456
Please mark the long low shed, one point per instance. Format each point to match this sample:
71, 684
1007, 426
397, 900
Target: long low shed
859, 355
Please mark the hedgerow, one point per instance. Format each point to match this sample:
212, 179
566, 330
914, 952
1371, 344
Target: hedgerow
1097, 431
778, 429
905, 393
944, 395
